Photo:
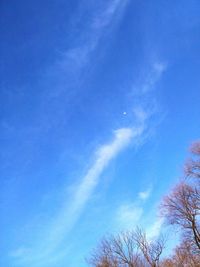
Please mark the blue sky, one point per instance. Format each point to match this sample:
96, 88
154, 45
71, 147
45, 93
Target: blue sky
99, 103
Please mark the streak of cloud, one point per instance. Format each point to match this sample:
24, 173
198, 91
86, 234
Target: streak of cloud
104, 20
71, 212
103, 156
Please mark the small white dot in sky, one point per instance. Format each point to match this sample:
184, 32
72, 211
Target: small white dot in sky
124, 113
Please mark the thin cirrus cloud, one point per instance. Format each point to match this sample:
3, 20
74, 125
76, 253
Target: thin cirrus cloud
71, 211
144, 195
153, 77
87, 185
129, 214
156, 228
100, 21
104, 20
146, 83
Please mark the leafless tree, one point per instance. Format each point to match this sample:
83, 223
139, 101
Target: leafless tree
117, 251
192, 166
187, 254
127, 249
151, 250
183, 256
182, 207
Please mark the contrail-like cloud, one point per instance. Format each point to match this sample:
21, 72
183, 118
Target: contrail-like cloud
72, 210
103, 156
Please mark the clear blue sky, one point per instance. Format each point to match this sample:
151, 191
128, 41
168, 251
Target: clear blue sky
99, 103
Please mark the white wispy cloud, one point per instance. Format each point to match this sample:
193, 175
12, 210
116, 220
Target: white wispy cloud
144, 195
149, 78
155, 230
70, 213
128, 215
103, 156
104, 20
153, 76
132, 214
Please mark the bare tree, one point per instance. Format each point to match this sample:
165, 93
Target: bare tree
118, 251
151, 250
183, 256
182, 208
192, 166
128, 249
